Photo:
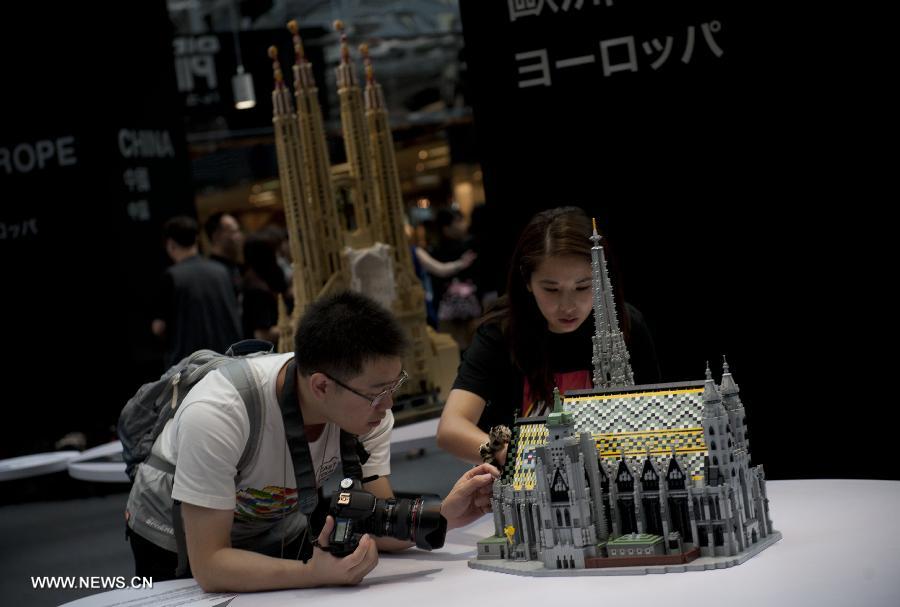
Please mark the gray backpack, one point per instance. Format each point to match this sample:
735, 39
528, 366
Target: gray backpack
146, 413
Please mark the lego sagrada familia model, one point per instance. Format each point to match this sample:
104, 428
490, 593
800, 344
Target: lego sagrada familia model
626, 479
374, 257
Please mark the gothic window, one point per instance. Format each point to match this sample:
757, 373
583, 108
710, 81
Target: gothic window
650, 479
624, 480
676, 476
715, 461
568, 518
559, 490
712, 430
559, 518
713, 445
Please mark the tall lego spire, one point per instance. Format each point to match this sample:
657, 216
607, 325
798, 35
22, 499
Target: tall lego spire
293, 191
712, 400
611, 359
356, 144
728, 387
715, 433
317, 237
384, 164
731, 400
409, 306
328, 265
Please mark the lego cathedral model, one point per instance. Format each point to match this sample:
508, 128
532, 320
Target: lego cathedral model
626, 479
374, 257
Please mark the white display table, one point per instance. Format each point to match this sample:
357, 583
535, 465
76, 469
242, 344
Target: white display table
841, 547
84, 467
415, 435
36, 464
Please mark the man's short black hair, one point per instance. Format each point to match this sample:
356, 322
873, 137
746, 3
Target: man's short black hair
340, 333
211, 225
182, 229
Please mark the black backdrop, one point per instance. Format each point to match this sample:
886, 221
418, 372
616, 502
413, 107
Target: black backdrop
94, 160
710, 177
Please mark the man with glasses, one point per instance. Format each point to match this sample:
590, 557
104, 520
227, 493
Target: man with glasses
243, 529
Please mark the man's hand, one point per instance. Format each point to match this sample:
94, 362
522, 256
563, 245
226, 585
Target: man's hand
328, 570
470, 497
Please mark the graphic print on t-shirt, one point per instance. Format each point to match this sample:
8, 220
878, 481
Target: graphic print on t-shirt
270, 503
570, 380
327, 468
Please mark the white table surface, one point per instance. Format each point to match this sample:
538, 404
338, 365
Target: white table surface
36, 464
84, 468
419, 434
841, 547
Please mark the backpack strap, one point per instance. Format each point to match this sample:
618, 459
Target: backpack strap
240, 375
246, 347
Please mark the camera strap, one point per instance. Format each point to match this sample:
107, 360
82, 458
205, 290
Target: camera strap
298, 445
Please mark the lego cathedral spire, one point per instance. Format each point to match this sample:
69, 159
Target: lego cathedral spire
316, 177
356, 144
290, 172
321, 261
611, 359
409, 306
384, 164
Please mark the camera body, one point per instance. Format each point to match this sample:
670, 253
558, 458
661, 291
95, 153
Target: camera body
357, 512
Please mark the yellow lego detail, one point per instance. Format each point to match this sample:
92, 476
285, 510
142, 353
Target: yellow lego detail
659, 442
610, 447
579, 399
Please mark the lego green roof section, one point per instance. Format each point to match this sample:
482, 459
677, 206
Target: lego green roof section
633, 539
493, 540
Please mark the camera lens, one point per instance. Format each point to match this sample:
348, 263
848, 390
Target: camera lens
356, 512
417, 520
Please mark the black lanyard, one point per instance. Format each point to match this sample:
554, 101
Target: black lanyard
298, 445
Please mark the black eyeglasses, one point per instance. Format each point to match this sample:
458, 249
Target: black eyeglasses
375, 400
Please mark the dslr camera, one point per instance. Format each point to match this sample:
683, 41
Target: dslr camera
357, 512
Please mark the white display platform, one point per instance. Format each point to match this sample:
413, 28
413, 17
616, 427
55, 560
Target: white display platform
841, 547
36, 464
99, 472
405, 437
111, 449
85, 469
419, 434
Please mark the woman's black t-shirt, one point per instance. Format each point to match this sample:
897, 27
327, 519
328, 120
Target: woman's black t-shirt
487, 368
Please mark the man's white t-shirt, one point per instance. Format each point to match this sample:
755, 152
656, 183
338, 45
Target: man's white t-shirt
206, 439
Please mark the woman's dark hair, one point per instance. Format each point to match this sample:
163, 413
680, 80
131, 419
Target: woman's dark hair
563, 231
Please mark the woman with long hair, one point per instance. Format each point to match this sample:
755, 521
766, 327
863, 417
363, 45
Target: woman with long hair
536, 338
